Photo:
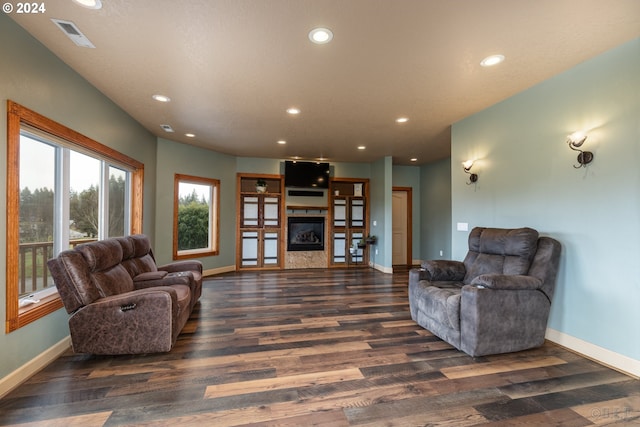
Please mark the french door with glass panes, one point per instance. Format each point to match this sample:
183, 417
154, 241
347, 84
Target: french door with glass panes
260, 230
349, 224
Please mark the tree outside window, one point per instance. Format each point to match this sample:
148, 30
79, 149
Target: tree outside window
196, 211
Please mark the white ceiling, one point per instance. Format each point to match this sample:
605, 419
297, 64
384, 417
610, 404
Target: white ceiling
232, 67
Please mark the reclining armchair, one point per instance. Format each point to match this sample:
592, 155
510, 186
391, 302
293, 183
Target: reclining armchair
119, 300
495, 301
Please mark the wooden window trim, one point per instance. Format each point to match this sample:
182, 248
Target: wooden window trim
18, 115
214, 234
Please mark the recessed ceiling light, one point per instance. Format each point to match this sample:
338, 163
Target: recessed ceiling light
414, 159
320, 35
402, 120
492, 60
161, 98
361, 147
89, 4
190, 135
282, 142
293, 110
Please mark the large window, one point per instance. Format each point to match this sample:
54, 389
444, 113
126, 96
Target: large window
195, 217
62, 189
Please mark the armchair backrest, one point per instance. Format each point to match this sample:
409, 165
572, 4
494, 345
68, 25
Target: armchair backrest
500, 251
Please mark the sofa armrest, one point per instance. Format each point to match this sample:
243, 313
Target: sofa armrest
154, 279
140, 321
507, 282
178, 266
444, 270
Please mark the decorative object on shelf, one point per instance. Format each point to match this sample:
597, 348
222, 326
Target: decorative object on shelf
371, 240
467, 165
261, 186
575, 141
357, 189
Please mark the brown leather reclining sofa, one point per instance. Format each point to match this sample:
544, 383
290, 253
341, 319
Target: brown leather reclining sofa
120, 301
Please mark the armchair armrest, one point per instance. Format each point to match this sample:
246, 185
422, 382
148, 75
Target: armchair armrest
444, 270
507, 282
182, 266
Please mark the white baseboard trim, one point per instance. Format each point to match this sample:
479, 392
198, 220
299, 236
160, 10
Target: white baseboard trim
596, 353
382, 268
36, 364
219, 270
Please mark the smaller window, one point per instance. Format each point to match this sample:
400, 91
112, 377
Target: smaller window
195, 216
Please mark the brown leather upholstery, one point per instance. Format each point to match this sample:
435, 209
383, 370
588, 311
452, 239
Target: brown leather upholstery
119, 300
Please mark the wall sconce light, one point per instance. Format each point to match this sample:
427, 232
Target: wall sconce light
467, 168
575, 141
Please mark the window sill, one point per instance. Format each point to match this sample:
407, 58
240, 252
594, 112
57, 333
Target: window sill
33, 312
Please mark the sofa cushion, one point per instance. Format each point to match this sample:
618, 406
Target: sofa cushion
142, 254
101, 255
113, 281
103, 259
500, 251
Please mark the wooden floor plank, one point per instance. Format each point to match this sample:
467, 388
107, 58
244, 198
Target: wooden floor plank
319, 348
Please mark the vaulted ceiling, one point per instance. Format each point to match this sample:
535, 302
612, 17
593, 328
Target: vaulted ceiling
232, 67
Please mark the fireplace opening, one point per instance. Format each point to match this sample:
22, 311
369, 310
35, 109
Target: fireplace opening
305, 233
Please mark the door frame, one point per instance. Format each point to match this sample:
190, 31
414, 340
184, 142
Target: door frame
409, 191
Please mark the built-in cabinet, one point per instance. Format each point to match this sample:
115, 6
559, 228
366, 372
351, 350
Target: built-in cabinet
260, 222
261, 226
348, 222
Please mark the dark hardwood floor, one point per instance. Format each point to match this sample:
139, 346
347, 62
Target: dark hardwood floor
320, 348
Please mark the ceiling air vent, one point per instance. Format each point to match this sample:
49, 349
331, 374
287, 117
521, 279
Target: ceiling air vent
72, 31
167, 128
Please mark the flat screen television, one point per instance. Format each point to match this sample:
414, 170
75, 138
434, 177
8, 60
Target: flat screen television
306, 174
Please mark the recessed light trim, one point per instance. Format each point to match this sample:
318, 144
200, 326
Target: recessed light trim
190, 135
492, 60
362, 147
89, 4
413, 159
320, 35
282, 142
293, 111
402, 120
161, 98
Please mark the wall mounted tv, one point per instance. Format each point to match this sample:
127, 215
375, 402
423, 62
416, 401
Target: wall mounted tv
306, 174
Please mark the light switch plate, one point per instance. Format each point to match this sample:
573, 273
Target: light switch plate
463, 226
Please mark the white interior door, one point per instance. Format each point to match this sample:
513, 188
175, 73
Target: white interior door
399, 228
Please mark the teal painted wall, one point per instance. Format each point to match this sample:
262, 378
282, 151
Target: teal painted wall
527, 178
173, 158
409, 176
32, 76
435, 209
381, 212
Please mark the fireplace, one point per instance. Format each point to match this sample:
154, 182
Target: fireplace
305, 233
